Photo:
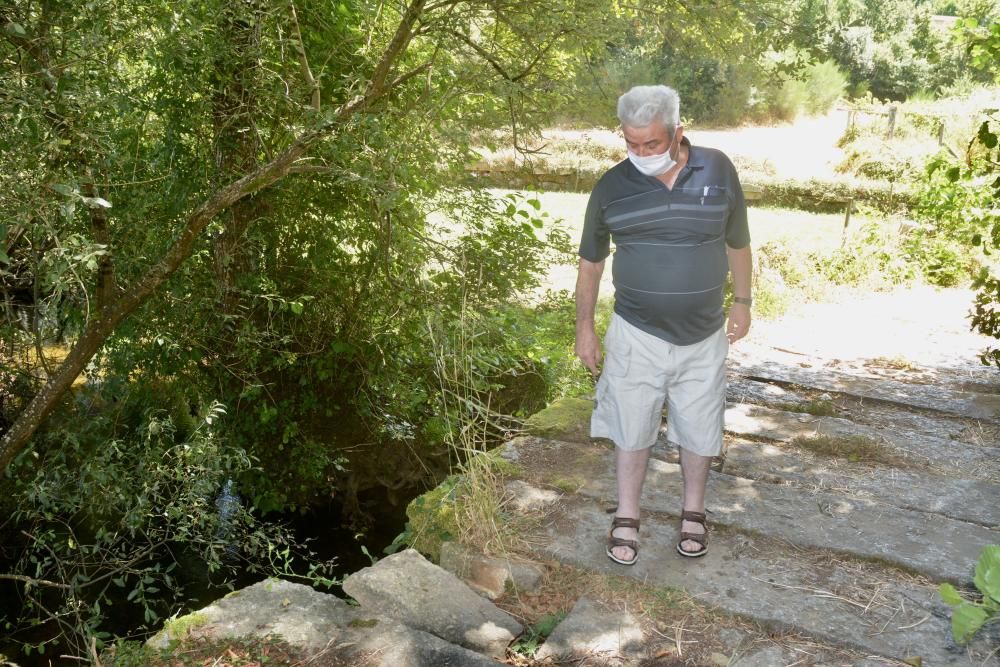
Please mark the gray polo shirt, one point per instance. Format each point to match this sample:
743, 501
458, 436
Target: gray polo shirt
670, 264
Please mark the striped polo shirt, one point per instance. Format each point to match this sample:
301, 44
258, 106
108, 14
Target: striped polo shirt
670, 264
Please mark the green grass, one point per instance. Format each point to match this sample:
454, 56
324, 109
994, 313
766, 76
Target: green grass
819, 408
853, 448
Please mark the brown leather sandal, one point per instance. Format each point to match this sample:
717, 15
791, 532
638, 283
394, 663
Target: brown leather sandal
623, 522
700, 538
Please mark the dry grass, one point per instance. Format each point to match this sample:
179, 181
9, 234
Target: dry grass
818, 407
853, 448
682, 630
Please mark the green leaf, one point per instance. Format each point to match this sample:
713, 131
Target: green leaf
16, 29
966, 621
949, 595
987, 138
96, 202
953, 173
987, 578
296, 307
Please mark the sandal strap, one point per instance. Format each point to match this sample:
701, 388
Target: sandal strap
621, 542
696, 517
694, 537
624, 522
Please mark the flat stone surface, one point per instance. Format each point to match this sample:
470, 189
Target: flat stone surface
320, 623
590, 629
411, 589
969, 500
941, 548
947, 456
855, 605
926, 396
882, 415
490, 575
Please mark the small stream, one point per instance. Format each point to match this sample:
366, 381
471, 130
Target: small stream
321, 529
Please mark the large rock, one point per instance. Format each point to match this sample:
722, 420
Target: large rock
490, 576
319, 623
409, 588
594, 632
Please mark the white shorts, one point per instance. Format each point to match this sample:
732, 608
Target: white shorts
641, 371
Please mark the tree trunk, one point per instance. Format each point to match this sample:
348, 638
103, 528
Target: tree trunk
97, 332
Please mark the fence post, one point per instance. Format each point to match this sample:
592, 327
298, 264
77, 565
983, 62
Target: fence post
892, 123
847, 221
940, 132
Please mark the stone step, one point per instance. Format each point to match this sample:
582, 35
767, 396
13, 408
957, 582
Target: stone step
931, 544
924, 396
947, 457
793, 399
974, 501
841, 602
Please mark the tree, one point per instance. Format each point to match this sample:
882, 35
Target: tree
397, 64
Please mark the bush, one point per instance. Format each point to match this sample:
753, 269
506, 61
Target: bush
824, 85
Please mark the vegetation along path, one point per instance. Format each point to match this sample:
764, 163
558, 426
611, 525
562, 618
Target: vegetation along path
853, 485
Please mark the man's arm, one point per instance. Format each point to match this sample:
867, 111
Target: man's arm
741, 266
588, 283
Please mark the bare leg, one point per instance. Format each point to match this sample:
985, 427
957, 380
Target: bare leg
631, 472
694, 468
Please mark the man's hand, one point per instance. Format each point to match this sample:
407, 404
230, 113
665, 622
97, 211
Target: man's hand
588, 281
588, 349
739, 322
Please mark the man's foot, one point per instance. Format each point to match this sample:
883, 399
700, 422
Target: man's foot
623, 547
694, 535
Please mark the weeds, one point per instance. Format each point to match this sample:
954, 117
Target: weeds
818, 408
533, 637
853, 448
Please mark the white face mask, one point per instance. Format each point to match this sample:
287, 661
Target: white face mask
652, 165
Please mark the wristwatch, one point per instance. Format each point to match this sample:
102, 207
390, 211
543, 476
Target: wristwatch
746, 301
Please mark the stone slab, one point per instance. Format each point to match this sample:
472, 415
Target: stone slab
321, 624
925, 396
857, 607
968, 500
947, 456
591, 630
411, 589
934, 545
526, 498
489, 575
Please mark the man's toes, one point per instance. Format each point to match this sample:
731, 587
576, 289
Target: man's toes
623, 553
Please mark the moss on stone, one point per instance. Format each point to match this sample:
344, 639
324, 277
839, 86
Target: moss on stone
363, 623
175, 630
432, 518
568, 484
564, 419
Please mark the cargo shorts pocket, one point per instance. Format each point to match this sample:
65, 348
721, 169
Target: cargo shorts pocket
616, 358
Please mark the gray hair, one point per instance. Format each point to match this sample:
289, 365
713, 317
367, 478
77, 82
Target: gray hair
642, 105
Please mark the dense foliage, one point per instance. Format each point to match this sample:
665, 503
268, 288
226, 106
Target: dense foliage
250, 213
787, 58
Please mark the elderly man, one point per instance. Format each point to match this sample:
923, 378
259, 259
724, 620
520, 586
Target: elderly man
678, 219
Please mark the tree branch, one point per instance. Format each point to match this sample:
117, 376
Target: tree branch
300, 48
31, 581
99, 329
